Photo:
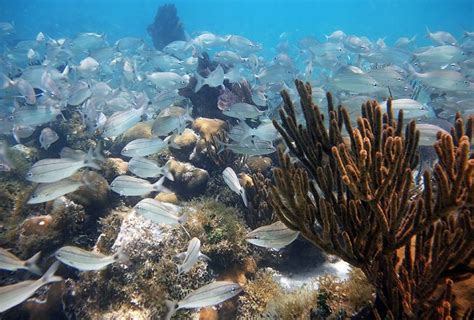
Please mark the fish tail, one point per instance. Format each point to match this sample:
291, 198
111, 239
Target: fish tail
244, 197
121, 256
200, 82
182, 219
172, 307
428, 32
89, 161
167, 173
49, 276
158, 186
31, 266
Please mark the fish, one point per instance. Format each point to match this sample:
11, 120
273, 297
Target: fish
87, 67
167, 80
14, 294
447, 80
9, 261
160, 212
412, 109
243, 110
26, 90
251, 146
274, 236
441, 37
145, 146
84, 260
121, 121
265, 131
79, 93
47, 137
34, 115
232, 181
214, 79
191, 256
171, 120
404, 42
131, 186
428, 133
6, 164
336, 36
45, 192
52, 170
145, 168
208, 295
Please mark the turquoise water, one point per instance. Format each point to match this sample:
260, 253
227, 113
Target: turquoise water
263, 20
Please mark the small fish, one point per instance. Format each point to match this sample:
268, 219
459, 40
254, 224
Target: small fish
131, 186
428, 133
167, 80
232, 181
336, 36
34, 115
243, 110
86, 260
80, 92
45, 192
265, 131
121, 121
171, 119
404, 42
275, 236
441, 37
214, 79
52, 170
9, 261
47, 137
448, 80
5, 163
26, 90
145, 168
208, 295
144, 147
252, 147
412, 109
191, 256
87, 67
160, 212
15, 294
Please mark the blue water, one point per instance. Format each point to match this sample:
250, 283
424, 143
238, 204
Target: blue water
259, 20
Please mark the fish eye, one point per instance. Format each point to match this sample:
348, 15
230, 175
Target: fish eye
11, 118
375, 84
466, 82
29, 174
34, 195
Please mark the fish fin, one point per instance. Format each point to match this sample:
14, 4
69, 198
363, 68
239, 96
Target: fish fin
31, 266
180, 255
158, 185
182, 219
89, 160
244, 197
172, 306
168, 174
98, 152
428, 32
121, 257
203, 257
200, 82
49, 276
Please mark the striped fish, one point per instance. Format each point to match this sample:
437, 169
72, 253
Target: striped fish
130, 186
160, 212
144, 147
86, 260
208, 295
275, 236
9, 261
121, 121
232, 181
191, 256
15, 294
45, 192
145, 168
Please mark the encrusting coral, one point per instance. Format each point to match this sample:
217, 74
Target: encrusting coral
359, 202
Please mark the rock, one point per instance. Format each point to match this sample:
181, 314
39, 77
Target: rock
167, 197
188, 179
186, 143
260, 164
114, 167
140, 130
207, 127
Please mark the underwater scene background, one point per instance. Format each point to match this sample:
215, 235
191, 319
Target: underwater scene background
236, 159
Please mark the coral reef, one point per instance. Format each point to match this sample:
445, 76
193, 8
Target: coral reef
188, 180
166, 27
357, 202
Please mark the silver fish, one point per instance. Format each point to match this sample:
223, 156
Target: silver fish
412, 109
5, 163
26, 90
50, 191
144, 147
34, 115
243, 110
275, 236
208, 295
191, 256
47, 137
447, 80
52, 170
428, 133
171, 119
15, 294
86, 260
232, 181
9, 261
167, 80
265, 131
214, 79
160, 212
121, 121
79, 93
441, 37
251, 147
145, 168
131, 186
